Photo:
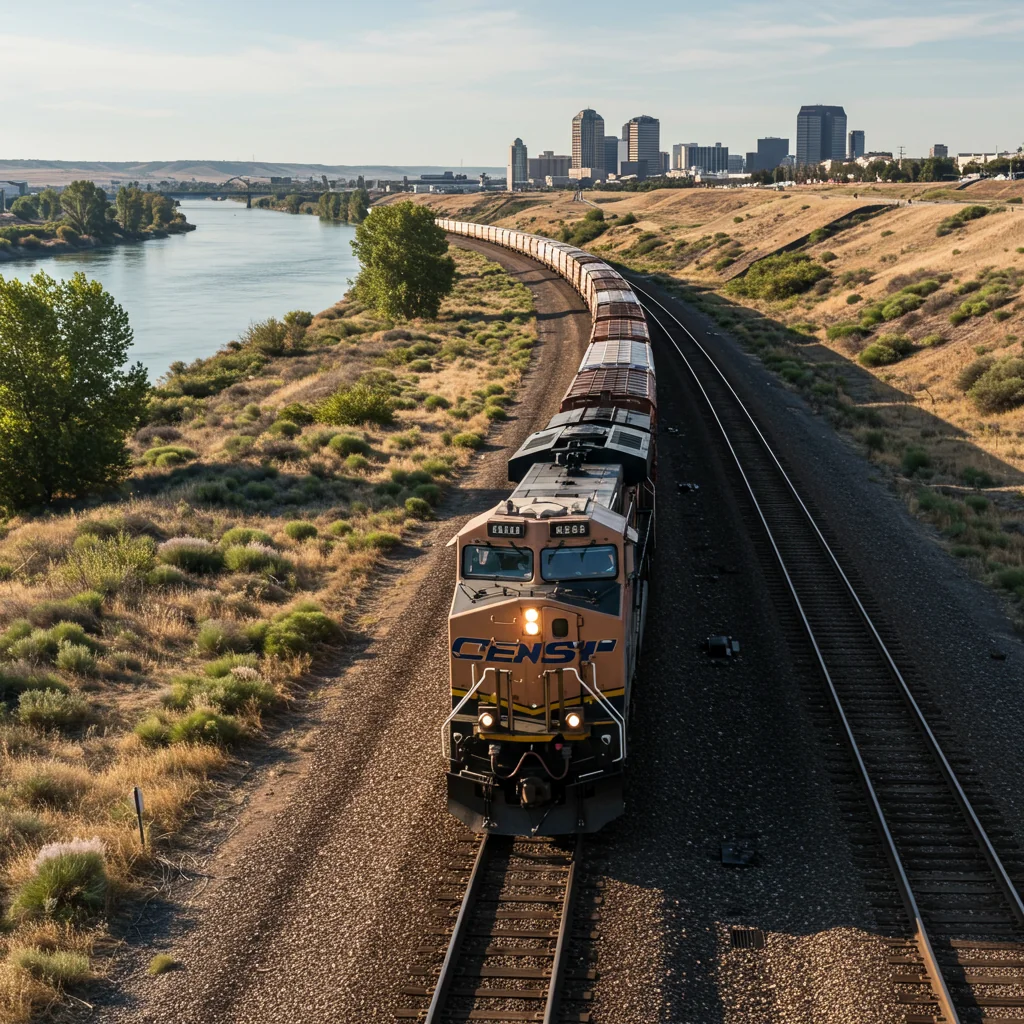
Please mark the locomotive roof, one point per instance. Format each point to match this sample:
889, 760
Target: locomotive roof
547, 486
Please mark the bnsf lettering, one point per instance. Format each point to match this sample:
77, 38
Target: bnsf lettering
558, 652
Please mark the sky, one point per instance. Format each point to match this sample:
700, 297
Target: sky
405, 82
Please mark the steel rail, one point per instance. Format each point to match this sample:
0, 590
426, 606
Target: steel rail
451, 956
1012, 896
924, 944
564, 935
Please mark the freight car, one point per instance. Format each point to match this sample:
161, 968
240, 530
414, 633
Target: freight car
548, 613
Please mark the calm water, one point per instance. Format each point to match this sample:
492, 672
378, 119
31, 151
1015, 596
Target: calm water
187, 295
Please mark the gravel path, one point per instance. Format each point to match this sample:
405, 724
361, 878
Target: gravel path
310, 913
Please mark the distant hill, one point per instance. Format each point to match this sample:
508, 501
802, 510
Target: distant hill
60, 172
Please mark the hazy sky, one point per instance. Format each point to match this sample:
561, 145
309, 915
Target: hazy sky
406, 82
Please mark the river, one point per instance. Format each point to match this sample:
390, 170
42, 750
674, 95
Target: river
187, 295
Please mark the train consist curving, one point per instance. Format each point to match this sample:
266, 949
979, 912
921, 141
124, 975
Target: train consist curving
548, 612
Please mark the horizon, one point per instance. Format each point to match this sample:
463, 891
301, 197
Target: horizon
183, 77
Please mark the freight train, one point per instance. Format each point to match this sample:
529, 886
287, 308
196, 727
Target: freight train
548, 612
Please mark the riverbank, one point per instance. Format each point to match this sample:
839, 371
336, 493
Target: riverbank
33, 241
183, 626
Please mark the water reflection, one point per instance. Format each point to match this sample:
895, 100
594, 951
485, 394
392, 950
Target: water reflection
189, 294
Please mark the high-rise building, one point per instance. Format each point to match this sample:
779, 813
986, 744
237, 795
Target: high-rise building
939, 150
549, 163
770, 154
588, 139
518, 168
691, 156
666, 162
856, 146
820, 135
735, 163
644, 136
611, 154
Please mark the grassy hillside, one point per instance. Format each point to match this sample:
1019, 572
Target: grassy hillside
903, 323
148, 636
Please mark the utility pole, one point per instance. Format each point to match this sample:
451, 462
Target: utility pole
902, 150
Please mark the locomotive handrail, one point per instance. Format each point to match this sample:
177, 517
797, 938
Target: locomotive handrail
608, 707
446, 748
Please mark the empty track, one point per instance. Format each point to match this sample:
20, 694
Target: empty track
958, 954
510, 937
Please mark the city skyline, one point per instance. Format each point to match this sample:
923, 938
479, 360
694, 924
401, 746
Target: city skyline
186, 80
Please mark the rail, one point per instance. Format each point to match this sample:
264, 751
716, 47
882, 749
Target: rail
806, 575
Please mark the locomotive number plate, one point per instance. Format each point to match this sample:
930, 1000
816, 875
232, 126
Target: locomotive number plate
571, 529
506, 529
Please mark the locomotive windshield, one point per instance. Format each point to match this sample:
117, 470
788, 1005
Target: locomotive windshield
489, 563
596, 562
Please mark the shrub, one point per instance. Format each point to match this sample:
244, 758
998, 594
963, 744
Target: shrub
216, 637
224, 666
238, 445
76, 658
348, 444
960, 218
167, 455
932, 340
358, 403
296, 632
204, 726
436, 467
14, 683
68, 887
15, 631
245, 535
154, 731
255, 558
339, 528
1011, 579
234, 692
1000, 387
846, 330
430, 493
259, 490
890, 348
51, 709
317, 439
468, 439
161, 964
437, 402
418, 508
901, 304
296, 412
300, 530
165, 576
266, 336
779, 277
852, 299
59, 968
106, 566
285, 428
976, 502
38, 646
915, 459
357, 463
828, 257
972, 373
193, 554
68, 234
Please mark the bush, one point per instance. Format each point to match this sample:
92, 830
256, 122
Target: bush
285, 428
204, 726
418, 508
255, 557
59, 968
296, 412
932, 340
16, 631
778, 277
106, 566
973, 372
37, 647
357, 464
165, 576
915, 459
166, 455
960, 218
68, 234
846, 330
238, 445
1011, 579
1001, 387
154, 731
193, 554
437, 402
161, 964
890, 348
76, 658
259, 490
232, 693
852, 299
348, 444
245, 535
216, 637
14, 683
300, 530
51, 709
339, 528
69, 887
468, 439
225, 666
359, 403
296, 632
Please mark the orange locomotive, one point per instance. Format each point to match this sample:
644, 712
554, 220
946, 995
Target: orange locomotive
547, 617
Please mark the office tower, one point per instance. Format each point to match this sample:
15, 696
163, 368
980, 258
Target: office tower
939, 150
856, 148
692, 156
770, 154
735, 163
820, 134
588, 140
518, 170
611, 154
644, 136
549, 163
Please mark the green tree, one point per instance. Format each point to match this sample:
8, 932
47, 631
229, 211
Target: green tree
85, 207
358, 205
67, 401
25, 208
406, 270
129, 207
293, 203
49, 204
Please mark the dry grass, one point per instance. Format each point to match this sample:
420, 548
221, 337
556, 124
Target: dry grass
161, 635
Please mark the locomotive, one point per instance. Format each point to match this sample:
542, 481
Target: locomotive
547, 617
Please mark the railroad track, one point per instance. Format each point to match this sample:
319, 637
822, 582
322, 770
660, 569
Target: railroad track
950, 894
513, 937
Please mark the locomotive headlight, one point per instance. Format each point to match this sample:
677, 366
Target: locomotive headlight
574, 720
531, 628
531, 615
487, 718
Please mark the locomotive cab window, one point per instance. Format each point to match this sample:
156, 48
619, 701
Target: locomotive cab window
594, 562
492, 563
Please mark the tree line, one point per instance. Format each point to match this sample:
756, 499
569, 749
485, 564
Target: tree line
344, 207
938, 168
85, 208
